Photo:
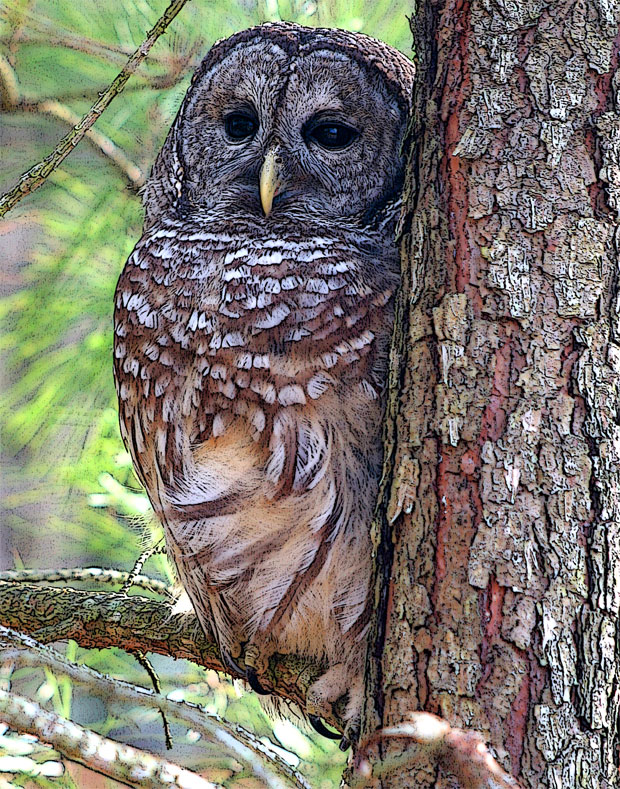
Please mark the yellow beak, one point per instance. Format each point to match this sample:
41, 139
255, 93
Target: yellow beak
270, 179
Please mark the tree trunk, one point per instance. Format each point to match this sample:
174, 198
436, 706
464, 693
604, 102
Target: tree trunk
499, 541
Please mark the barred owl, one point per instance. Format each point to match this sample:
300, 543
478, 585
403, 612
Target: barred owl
252, 327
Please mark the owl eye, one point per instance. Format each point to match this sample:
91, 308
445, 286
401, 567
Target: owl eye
240, 126
332, 135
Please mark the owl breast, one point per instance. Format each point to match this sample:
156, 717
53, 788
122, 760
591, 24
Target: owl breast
210, 327
249, 371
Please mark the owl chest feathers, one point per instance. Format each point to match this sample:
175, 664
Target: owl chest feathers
212, 330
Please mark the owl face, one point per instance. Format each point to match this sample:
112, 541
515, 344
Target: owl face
277, 134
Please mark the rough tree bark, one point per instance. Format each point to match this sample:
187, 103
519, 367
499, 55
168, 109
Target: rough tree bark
499, 542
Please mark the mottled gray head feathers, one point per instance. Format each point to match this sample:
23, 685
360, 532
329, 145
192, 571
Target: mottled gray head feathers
296, 40
285, 123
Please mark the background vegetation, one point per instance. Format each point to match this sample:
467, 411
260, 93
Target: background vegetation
69, 496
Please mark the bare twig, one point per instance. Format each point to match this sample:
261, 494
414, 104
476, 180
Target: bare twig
463, 754
55, 109
264, 762
38, 174
96, 575
148, 667
121, 762
139, 564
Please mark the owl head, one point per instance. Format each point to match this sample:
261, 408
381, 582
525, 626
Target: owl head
287, 123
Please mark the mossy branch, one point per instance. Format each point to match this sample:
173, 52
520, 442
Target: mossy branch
38, 174
96, 620
264, 762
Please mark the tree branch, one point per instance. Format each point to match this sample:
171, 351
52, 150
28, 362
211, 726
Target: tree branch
177, 67
123, 763
30, 28
98, 575
96, 620
246, 748
461, 753
88, 46
109, 149
38, 174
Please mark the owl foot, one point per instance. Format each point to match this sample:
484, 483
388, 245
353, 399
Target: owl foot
255, 663
230, 662
319, 727
322, 694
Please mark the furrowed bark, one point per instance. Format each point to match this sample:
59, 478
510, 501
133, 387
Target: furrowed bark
502, 497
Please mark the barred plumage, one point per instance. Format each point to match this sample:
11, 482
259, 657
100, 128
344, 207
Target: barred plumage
251, 339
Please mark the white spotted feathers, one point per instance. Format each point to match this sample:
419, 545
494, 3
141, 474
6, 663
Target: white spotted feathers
267, 325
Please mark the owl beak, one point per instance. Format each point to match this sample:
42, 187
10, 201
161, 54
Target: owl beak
270, 179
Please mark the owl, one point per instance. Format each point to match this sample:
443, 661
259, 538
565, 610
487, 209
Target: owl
252, 327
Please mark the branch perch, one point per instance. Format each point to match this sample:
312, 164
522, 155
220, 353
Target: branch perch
38, 174
264, 763
96, 620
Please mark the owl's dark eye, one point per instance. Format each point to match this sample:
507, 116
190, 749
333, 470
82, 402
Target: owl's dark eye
332, 135
240, 125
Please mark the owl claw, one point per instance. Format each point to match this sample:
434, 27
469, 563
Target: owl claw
255, 662
230, 663
351, 734
253, 682
319, 727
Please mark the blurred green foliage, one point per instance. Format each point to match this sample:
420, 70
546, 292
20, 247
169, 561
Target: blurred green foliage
69, 496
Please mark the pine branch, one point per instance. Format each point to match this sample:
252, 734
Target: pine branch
264, 763
38, 174
96, 620
123, 763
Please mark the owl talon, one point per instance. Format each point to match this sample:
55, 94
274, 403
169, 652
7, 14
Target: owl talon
230, 663
351, 734
253, 682
319, 727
